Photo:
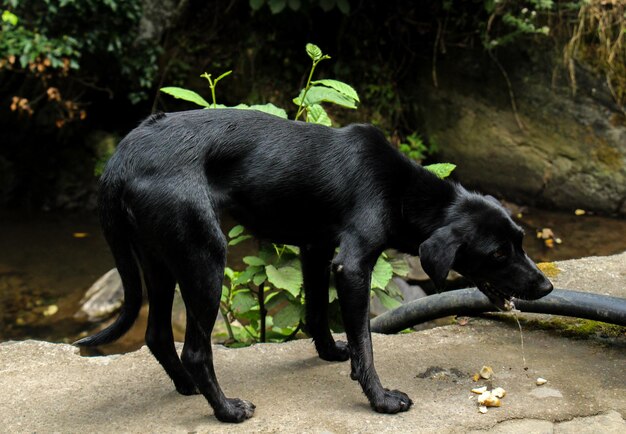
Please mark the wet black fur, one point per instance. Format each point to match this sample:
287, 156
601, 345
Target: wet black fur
319, 188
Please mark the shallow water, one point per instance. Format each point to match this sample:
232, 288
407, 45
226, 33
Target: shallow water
50, 259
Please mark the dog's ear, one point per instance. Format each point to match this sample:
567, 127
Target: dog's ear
437, 254
493, 200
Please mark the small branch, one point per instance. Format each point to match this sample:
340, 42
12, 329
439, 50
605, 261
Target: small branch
85, 83
229, 328
520, 124
262, 310
306, 89
434, 69
294, 333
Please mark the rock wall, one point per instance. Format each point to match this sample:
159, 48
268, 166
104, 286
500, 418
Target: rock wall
571, 152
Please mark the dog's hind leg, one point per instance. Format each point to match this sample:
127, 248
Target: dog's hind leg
316, 262
200, 271
160, 284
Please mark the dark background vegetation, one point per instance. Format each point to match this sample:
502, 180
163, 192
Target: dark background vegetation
75, 72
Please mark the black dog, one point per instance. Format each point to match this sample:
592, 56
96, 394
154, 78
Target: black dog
289, 182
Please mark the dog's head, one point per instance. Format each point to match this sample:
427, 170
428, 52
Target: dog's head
481, 241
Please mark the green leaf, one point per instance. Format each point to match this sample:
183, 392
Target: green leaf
185, 94
270, 109
288, 316
287, 278
319, 94
332, 294
228, 272
400, 266
270, 296
243, 301
317, 115
267, 253
256, 4
339, 86
382, 273
393, 290
236, 231
293, 249
253, 260
227, 73
386, 300
442, 170
276, 300
276, 6
246, 275
344, 6
259, 278
314, 52
9, 17
294, 5
238, 240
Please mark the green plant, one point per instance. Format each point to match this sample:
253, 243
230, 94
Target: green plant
327, 90
54, 51
598, 39
25, 48
520, 18
309, 100
278, 6
32, 54
415, 149
194, 97
265, 301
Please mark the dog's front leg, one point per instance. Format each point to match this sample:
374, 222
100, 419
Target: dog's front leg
353, 270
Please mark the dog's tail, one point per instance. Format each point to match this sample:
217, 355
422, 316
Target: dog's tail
117, 233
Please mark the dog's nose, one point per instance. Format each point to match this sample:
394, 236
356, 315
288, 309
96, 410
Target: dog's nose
545, 287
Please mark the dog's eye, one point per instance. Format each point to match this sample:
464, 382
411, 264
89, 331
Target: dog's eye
499, 254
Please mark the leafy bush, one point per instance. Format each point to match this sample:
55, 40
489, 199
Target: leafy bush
265, 301
59, 50
309, 101
278, 6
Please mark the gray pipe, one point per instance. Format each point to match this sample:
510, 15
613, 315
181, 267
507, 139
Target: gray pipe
471, 301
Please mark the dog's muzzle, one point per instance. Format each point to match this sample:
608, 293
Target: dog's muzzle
500, 299
504, 300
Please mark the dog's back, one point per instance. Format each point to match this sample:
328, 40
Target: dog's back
278, 177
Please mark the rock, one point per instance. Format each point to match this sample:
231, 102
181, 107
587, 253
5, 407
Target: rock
157, 17
417, 273
103, 299
293, 388
572, 153
409, 293
599, 274
609, 423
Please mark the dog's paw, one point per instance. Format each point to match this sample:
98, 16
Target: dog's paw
338, 352
392, 401
235, 411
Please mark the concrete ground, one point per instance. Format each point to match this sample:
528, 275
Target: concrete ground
48, 387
